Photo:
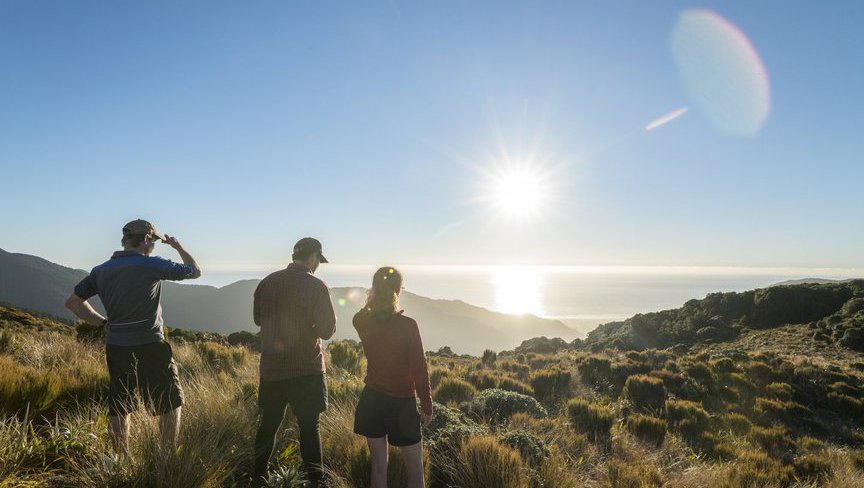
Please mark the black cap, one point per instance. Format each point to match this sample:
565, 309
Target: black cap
308, 246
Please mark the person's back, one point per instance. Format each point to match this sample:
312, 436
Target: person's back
395, 361
396, 371
138, 358
294, 311
130, 287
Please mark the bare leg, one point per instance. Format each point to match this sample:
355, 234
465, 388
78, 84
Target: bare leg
378, 450
413, 456
118, 429
169, 427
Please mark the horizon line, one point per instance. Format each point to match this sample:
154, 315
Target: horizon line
802, 271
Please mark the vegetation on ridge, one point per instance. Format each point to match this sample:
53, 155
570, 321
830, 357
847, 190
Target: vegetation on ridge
713, 414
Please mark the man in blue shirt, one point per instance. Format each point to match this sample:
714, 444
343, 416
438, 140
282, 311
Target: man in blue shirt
139, 359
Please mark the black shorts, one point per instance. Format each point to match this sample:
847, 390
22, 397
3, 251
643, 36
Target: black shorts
380, 415
307, 395
148, 369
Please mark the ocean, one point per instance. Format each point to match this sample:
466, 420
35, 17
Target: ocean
580, 296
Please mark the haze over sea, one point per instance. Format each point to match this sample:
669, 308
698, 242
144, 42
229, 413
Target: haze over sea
580, 296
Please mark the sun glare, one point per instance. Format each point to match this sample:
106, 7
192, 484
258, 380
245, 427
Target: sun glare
518, 193
518, 290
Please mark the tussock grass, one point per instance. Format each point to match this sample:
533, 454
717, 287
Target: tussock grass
690, 420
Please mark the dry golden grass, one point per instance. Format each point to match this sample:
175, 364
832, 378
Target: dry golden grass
59, 436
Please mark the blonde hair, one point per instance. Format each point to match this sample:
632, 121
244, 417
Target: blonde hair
384, 294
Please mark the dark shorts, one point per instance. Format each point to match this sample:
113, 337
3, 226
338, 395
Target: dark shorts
148, 369
380, 415
306, 394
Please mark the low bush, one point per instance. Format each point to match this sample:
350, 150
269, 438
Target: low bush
788, 412
532, 449
346, 355
646, 393
595, 371
758, 470
737, 423
481, 462
780, 391
687, 418
488, 358
496, 405
454, 390
482, 380
510, 384
775, 440
246, 339
593, 420
550, 384
220, 357
649, 429
437, 373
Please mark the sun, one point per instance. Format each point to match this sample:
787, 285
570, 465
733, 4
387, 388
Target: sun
518, 193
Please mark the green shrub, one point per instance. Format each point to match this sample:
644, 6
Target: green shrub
454, 390
532, 449
595, 371
646, 393
789, 412
346, 355
711, 446
510, 384
436, 374
686, 417
646, 428
737, 423
221, 357
488, 358
551, 383
593, 420
482, 380
246, 339
520, 369
496, 405
449, 427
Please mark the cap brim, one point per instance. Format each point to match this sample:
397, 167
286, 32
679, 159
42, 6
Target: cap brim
322, 259
158, 235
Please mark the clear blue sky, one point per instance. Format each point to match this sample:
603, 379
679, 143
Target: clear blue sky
242, 126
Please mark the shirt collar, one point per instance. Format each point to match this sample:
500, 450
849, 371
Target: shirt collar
299, 267
124, 254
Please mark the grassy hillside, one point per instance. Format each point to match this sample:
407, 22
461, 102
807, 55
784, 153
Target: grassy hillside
717, 416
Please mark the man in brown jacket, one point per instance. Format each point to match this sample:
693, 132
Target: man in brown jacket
294, 311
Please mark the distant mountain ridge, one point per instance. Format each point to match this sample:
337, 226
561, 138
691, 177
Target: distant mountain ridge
37, 284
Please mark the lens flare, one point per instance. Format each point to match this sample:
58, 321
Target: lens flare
666, 119
721, 72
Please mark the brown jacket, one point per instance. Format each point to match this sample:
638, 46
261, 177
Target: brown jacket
294, 311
